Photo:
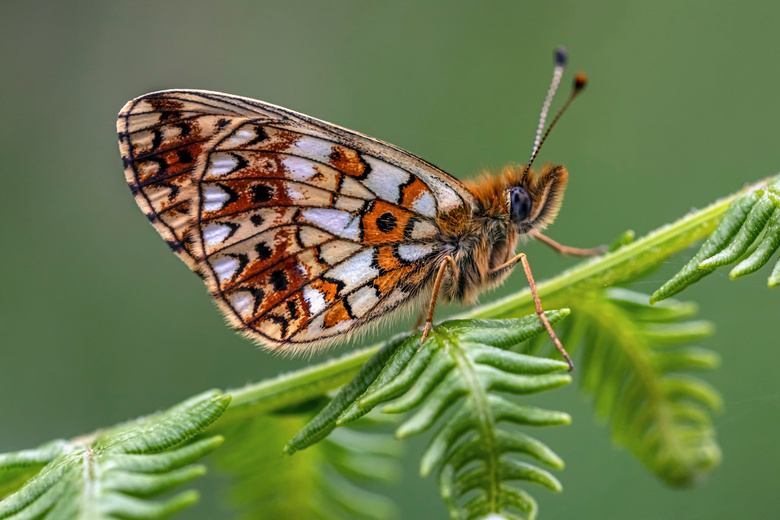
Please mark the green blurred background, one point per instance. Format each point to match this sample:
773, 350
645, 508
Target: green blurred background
100, 322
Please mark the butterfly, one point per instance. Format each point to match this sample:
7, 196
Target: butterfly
307, 233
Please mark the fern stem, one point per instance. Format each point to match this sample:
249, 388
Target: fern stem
486, 421
302, 385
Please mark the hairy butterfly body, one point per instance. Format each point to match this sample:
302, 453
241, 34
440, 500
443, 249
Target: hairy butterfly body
306, 232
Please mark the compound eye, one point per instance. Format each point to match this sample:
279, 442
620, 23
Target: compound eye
519, 204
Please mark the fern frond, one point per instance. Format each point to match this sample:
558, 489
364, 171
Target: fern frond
114, 473
636, 364
327, 482
749, 233
462, 372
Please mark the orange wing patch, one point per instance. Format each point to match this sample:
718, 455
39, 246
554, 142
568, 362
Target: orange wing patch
384, 223
389, 281
336, 314
348, 161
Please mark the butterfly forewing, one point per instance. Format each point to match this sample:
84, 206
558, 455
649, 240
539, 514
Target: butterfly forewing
302, 230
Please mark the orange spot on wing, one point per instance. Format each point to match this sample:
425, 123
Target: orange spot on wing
389, 281
348, 161
335, 315
329, 289
183, 158
277, 283
282, 252
168, 163
385, 223
252, 194
387, 260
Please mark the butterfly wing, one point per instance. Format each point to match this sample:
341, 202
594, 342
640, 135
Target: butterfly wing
302, 230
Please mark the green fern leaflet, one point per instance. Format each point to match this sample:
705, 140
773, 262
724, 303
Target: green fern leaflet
749, 233
457, 383
114, 473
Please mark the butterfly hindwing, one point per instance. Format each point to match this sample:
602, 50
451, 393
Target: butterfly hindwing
302, 230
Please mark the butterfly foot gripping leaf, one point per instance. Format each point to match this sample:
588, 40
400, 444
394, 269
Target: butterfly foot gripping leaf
748, 233
115, 472
459, 379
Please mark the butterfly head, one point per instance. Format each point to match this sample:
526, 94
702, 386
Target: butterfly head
533, 201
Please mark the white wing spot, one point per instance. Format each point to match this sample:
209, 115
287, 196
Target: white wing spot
242, 136
243, 302
423, 229
385, 180
313, 148
215, 234
299, 169
222, 164
356, 271
413, 252
214, 198
334, 221
447, 197
353, 188
225, 267
362, 301
425, 205
315, 299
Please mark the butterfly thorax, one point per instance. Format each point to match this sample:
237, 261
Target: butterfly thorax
486, 238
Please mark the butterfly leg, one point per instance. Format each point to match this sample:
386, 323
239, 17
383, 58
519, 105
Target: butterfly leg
448, 261
539, 311
566, 250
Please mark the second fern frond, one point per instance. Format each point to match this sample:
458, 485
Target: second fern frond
635, 362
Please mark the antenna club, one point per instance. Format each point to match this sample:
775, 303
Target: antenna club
561, 56
580, 80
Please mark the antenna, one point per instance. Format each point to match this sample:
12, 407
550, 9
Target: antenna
579, 83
